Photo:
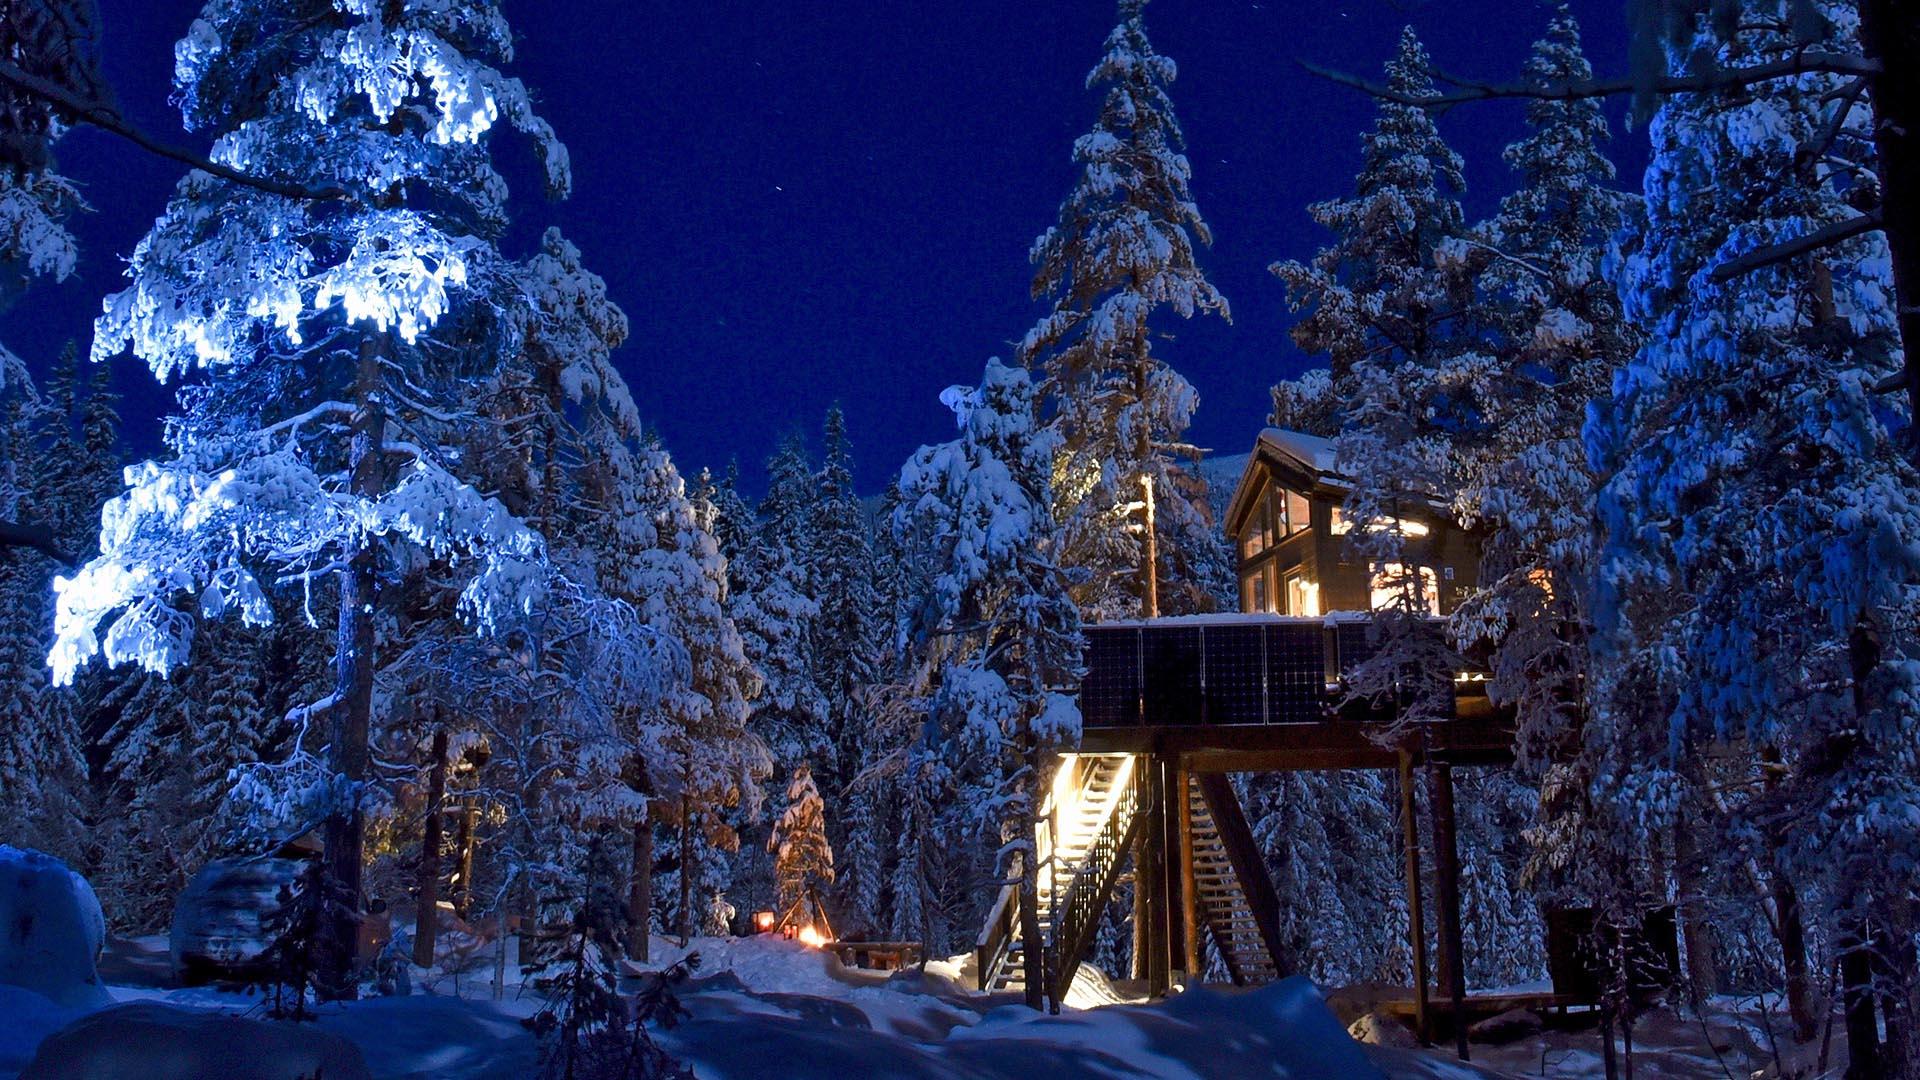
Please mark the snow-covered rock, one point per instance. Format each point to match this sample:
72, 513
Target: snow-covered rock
158, 1042
53, 930
1378, 1029
219, 921
1507, 1026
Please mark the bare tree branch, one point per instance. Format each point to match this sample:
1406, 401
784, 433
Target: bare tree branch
14, 534
1803, 63
1823, 237
104, 117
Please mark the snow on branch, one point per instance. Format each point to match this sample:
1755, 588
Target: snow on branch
1824, 237
107, 119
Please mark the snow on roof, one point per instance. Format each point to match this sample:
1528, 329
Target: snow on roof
1310, 450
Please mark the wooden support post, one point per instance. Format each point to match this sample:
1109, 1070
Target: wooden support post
1142, 874
1154, 885
1446, 892
1172, 926
1416, 923
1189, 897
426, 922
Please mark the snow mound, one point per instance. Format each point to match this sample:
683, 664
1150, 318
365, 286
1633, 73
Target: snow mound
158, 1042
53, 930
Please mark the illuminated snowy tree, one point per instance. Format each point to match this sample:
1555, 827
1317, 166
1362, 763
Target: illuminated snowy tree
1122, 251
998, 626
802, 858
332, 339
1758, 575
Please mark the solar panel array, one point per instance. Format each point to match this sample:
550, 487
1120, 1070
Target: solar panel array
1215, 674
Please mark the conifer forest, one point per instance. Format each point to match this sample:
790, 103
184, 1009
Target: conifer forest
473, 609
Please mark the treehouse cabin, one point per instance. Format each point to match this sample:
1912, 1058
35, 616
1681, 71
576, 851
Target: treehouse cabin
1290, 538
1170, 707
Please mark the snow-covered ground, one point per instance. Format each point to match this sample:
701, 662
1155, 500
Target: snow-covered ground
765, 1007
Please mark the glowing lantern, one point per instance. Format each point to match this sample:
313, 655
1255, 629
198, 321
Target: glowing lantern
810, 937
762, 921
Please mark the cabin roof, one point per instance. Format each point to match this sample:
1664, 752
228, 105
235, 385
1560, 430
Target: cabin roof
1310, 456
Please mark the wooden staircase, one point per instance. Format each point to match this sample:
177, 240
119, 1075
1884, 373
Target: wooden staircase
1221, 901
1087, 828
1233, 894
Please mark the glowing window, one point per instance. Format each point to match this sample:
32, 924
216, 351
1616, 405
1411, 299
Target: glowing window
1392, 582
1303, 596
1299, 517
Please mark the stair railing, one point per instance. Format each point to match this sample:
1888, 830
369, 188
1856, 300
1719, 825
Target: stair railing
1077, 911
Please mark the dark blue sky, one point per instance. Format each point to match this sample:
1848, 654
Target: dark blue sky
803, 203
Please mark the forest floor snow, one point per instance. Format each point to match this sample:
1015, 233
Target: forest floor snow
764, 1007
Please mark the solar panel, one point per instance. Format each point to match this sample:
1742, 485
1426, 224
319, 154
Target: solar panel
1355, 644
1236, 674
1170, 660
1296, 672
1110, 692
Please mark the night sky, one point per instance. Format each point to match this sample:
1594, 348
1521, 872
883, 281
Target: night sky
798, 204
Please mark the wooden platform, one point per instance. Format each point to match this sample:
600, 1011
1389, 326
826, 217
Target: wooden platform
1481, 1006
1331, 744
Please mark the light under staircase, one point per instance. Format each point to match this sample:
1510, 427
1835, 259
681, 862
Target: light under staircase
1221, 901
1086, 827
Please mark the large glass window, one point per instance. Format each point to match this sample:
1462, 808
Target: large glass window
1391, 581
1260, 600
1299, 517
1303, 596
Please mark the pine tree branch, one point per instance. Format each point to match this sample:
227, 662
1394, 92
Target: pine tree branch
1804, 63
1823, 237
14, 534
104, 117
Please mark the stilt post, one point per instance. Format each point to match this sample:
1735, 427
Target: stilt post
1416, 921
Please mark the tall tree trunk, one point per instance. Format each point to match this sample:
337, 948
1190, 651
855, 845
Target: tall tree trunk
351, 717
1803, 998
686, 870
1034, 954
640, 892
1856, 990
427, 921
1696, 929
1452, 972
463, 857
1890, 33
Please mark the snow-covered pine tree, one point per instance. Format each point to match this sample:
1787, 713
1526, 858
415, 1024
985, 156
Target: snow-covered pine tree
1123, 250
44, 789
335, 337
999, 623
1386, 313
1556, 335
1560, 335
1757, 577
845, 637
802, 857
777, 611
707, 765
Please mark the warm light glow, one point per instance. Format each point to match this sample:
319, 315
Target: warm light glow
762, 921
811, 938
1390, 583
1303, 596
